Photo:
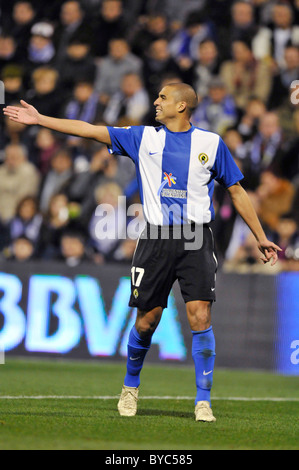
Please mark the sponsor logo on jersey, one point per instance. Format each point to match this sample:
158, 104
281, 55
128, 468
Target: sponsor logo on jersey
168, 179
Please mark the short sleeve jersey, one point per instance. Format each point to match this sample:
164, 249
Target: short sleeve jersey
176, 171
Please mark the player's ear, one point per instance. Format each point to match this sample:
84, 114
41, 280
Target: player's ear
182, 105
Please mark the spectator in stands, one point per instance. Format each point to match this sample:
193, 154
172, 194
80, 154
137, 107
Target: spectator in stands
27, 221
217, 111
245, 76
12, 77
41, 50
54, 224
262, 152
284, 31
154, 27
20, 24
18, 178
157, 63
72, 247
207, 66
8, 51
73, 23
284, 77
263, 11
57, 178
45, 93
274, 39
234, 140
119, 62
81, 188
46, 146
287, 234
131, 102
289, 158
249, 121
108, 224
16, 133
288, 113
243, 28
78, 64
178, 11
296, 11
111, 24
84, 104
22, 250
275, 198
186, 41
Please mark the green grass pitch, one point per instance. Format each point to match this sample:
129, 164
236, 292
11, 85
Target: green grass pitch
72, 405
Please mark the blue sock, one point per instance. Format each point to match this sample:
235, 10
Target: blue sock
137, 350
203, 353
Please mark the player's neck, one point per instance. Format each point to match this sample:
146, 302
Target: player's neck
177, 125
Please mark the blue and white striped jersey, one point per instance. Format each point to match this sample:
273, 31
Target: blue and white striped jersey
176, 171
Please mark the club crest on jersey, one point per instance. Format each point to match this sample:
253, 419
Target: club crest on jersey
203, 158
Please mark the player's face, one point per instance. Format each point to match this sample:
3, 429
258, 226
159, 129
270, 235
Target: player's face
166, 105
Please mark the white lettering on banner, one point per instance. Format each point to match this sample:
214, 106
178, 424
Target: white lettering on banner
14, 326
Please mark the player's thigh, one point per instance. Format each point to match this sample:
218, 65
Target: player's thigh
196, 271
152, 275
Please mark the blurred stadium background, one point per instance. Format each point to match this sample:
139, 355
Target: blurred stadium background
64, 293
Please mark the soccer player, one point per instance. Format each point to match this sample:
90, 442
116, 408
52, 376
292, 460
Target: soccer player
176, 165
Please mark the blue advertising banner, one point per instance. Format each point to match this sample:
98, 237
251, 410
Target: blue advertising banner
79, 311
287, 335
52, 310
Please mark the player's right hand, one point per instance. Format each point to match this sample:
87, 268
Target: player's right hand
26, 114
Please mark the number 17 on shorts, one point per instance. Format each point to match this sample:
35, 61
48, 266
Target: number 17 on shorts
136, 277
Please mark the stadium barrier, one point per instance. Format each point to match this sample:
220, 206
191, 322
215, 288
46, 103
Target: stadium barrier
52, 310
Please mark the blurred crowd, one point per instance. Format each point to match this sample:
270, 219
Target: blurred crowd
104, 62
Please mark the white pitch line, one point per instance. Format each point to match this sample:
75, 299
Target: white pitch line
103, 397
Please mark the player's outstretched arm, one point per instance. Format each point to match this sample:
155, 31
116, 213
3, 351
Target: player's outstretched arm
244, 207
27, 114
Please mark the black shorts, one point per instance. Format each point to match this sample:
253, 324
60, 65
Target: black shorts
169, 256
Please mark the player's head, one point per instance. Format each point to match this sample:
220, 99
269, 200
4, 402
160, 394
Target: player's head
175, 101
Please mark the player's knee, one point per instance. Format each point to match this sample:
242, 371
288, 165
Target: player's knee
145, 328
146, 323
199, 315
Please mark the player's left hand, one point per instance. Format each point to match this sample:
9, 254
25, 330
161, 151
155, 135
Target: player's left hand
269, 250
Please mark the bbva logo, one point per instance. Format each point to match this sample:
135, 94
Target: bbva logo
56, 296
